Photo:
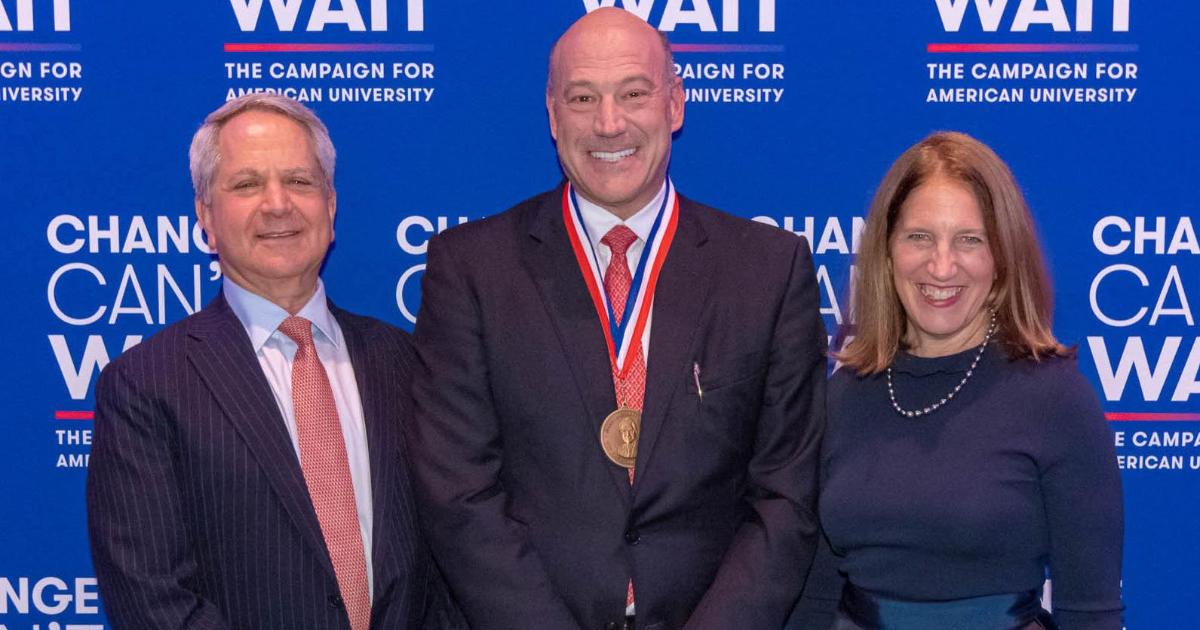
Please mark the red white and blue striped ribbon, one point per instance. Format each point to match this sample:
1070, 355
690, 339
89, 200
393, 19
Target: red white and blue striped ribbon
621, 338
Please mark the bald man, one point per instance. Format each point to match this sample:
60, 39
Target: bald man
618, 399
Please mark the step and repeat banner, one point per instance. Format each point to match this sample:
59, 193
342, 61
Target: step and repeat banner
794, 111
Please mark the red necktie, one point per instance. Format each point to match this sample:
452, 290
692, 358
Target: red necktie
632, 388
327, 471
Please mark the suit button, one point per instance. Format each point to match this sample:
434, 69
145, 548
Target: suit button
335, 601
632, 536
612, 625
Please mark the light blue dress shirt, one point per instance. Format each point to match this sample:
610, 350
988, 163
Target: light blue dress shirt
275, 351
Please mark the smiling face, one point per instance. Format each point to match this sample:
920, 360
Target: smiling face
270, 218
613, 109
942, 268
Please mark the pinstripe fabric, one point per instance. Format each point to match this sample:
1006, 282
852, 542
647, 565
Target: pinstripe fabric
197, 510
327, 471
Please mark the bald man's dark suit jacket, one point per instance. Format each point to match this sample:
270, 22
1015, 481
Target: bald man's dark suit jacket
198, 513
531, 524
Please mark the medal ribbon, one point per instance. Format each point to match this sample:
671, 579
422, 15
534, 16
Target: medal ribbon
620, 338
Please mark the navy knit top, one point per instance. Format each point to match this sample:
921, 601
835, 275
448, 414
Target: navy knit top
1015, 476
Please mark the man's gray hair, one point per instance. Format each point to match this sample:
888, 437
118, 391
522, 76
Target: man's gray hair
668, 71
205, 152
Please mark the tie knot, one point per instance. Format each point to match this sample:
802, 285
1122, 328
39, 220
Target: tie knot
619, 239
299, 329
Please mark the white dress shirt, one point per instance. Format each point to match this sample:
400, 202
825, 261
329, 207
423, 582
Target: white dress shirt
275, 351
599, 221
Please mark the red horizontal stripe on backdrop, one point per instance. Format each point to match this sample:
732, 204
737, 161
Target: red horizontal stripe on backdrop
1152, 417
74, 415
29, 47
266, 47
726, 48
1029, 48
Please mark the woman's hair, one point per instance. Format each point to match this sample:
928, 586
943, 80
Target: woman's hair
1021, 293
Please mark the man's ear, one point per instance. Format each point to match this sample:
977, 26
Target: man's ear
677, 100
204, 218
550, 115
332, 211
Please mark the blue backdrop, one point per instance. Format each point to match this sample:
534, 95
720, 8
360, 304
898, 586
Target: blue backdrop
795, 110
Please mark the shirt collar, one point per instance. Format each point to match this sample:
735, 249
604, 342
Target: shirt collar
262, 317
599, 221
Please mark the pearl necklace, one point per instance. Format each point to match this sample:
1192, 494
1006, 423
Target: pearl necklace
914, 413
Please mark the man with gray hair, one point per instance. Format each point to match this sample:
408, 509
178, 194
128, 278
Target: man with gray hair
247, 467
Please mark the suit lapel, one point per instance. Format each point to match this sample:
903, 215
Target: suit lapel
382, 429
679, 302
221, 353
551, 263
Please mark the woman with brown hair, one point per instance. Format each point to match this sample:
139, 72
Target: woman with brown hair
965, 456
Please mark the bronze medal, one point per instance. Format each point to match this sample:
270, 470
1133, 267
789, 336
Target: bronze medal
619, 436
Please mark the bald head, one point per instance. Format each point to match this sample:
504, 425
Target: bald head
592, 30
613, 102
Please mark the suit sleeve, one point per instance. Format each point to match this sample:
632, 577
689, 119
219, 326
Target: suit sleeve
140, 548
823, 586
822, 590
763, 571
441, 611
485, 555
